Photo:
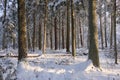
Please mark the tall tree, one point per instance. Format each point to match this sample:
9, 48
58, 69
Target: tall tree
93, 49
22, 35
40, 34
101, 27
55, 30
45, 25
3, 40
105, 22
73, 30
34, 31
81, 35
63, 32
68, 27
115, 44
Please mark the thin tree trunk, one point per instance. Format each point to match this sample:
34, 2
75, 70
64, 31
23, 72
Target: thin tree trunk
55, 28
73, 30
40, 34
45, 25
105, 18
34, 32
51, 33
68, 27
63, 35
115, 43
59, 29
63, 42
111, 32
81, 37
4, 38
101, 29
13, 43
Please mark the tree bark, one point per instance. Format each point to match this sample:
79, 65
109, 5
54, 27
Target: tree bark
51, 34
115, 39
63, 42
73, 30
68, 27
45, 25
22, 35
112, 29
34, 32
40, 34
101, 29
4, 45
81, 37
93, 49
105, 18
55, 28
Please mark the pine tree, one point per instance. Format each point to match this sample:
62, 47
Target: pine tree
73, 30
4, 37
45, 25
93, 49
22, 44
68, 27
115, 44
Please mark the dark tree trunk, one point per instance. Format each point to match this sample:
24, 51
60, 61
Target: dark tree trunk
68, 27
51, 34
55, 28
22, 35
59, 29
115, 44
40, 34
34, 32
73, 30
63, 42
81, 37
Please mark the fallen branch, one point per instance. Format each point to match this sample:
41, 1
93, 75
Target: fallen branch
32, 56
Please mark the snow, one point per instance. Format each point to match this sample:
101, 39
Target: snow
57, 65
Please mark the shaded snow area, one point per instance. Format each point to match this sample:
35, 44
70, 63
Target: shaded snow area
58, 65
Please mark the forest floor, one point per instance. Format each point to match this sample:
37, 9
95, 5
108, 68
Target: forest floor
58, 65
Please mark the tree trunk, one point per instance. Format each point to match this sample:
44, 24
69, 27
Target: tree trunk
101, 29
59, 29
63, 42
51, 33
105, 18
4, 45
34, 32
55, 28
81, 37
28, 34
13, 40
115, 43
22, 35
93, 49
45, 25
68, 27
40, 34
111, 32
73, 30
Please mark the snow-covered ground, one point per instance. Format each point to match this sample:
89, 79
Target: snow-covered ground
57, 65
